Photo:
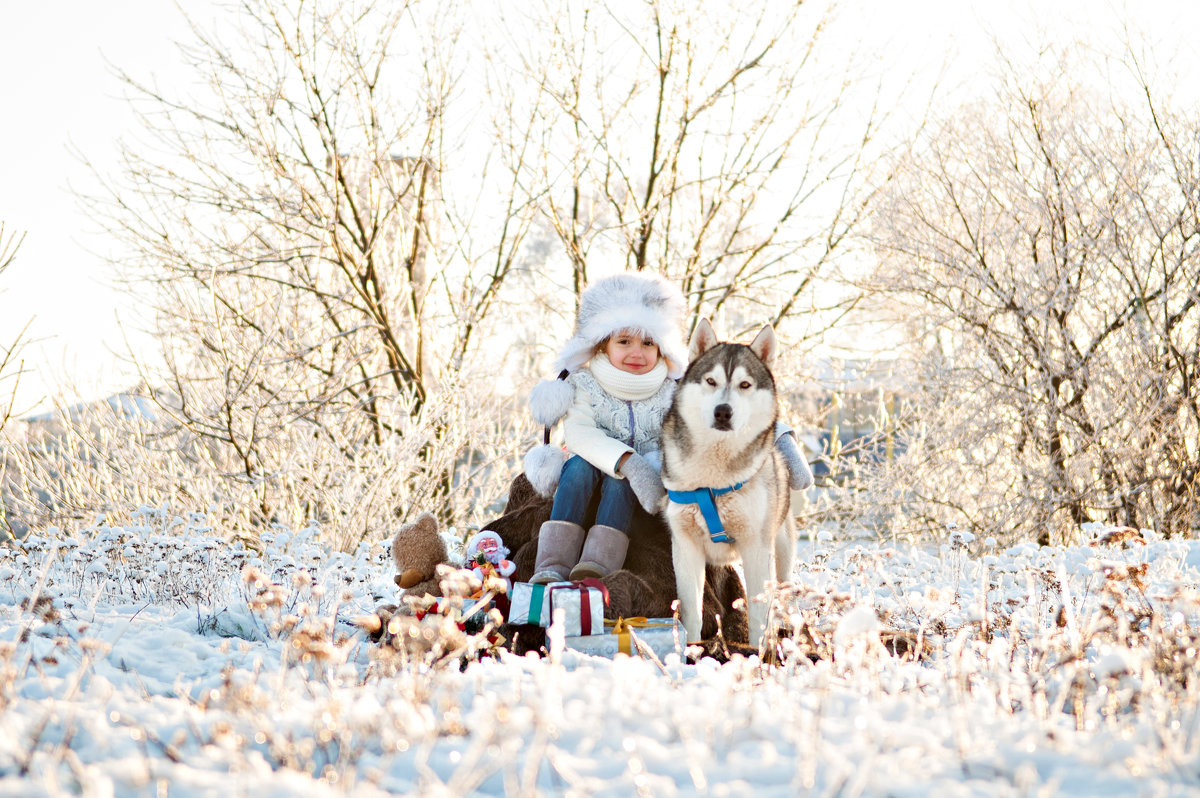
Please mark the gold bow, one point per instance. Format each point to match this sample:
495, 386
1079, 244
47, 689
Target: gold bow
622, 626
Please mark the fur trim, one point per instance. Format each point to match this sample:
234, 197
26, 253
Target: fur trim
637, 301
550, 400
543, 466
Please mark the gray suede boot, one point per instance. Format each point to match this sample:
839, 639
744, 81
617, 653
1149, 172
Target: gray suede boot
559, 543
603, 553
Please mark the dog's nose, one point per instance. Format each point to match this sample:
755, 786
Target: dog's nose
723, 416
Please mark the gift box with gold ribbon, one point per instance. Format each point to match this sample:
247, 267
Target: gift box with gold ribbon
634, 637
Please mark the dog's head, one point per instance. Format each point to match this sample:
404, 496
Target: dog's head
729, 387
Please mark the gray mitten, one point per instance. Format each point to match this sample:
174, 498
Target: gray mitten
645, 482
800, 476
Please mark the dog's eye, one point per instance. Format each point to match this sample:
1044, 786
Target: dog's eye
745, 384
711, 381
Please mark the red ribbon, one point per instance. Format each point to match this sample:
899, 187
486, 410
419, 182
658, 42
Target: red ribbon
585, 600
585, 612
596, 583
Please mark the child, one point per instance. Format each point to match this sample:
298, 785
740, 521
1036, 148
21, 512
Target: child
621, 366
623, 361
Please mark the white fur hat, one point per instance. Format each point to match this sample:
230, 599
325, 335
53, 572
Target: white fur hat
644, 303
637, 301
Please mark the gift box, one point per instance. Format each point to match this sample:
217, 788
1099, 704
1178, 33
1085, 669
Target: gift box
582, 604
529, 604
632, 636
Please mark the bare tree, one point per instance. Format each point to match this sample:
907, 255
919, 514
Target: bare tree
1043, 249
289, 228
10, 365
726, 147
11, 368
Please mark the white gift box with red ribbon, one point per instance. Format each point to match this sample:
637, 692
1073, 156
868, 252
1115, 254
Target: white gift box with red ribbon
582, 604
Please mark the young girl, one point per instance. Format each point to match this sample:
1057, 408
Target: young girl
621, 366
622, 363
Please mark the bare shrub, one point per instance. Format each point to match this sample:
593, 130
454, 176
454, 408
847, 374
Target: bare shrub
1040, 249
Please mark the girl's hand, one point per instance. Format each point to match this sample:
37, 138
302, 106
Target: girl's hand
643, 480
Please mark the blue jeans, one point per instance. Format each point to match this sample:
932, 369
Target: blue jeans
577, 489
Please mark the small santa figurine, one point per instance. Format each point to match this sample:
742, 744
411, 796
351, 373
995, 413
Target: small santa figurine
487, 556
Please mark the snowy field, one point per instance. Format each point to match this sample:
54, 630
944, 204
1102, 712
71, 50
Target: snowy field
155, 659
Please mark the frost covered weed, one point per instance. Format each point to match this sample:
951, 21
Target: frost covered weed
929, 663
1046, 631
130, 564
8, 673
454, 629
80, 461
278, 602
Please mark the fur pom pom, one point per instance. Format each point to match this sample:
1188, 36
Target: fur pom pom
550, 400
543, 466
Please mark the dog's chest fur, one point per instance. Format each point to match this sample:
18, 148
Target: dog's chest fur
745, 513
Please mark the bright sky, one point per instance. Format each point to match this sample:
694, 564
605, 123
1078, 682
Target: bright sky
58, 94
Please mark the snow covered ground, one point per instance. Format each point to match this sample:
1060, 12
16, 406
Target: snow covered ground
155, 659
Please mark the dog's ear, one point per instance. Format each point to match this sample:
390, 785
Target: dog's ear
703, 339
765, 345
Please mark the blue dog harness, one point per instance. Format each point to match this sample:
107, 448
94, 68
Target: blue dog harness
706, 498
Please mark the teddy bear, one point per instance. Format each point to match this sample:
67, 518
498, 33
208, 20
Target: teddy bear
417, 551
421, 561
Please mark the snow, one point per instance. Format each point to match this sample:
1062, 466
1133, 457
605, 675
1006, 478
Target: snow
856, 623
162, 659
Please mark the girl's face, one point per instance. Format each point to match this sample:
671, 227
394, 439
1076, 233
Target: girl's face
630, 352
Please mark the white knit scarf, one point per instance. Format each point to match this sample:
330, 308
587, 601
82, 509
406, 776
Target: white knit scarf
625, 385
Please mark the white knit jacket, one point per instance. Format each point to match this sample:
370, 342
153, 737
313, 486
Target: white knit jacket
601, 427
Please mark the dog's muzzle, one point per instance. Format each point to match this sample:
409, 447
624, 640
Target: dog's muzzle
723, 417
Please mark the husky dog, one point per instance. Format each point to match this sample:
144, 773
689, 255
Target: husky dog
727, 484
